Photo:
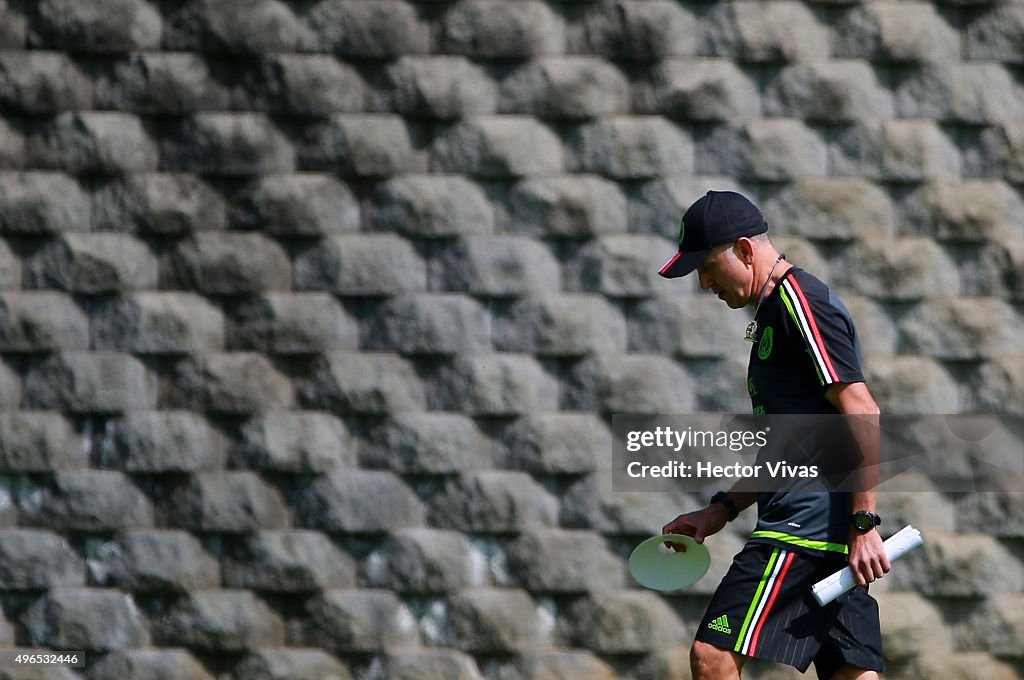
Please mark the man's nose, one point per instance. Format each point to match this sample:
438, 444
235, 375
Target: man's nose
705, 281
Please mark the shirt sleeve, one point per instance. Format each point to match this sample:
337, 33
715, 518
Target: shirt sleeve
827, 330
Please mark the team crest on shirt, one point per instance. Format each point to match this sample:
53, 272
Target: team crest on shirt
764, 348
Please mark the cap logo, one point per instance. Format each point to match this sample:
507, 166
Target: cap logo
682, 230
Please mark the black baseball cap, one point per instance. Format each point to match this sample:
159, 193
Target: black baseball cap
715, 218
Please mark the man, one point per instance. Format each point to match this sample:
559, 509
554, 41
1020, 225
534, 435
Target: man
805, 360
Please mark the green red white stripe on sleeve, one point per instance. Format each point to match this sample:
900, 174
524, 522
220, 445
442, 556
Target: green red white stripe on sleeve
796, 302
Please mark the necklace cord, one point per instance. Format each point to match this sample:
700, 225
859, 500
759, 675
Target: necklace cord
761, 296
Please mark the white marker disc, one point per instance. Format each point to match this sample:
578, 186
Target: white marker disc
656, 566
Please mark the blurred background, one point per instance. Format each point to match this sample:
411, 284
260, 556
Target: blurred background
314, 314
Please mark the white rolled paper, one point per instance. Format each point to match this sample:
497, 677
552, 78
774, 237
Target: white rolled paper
897, 545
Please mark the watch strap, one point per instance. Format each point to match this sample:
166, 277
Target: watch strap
726, 500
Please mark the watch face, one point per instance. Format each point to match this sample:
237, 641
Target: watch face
863, 522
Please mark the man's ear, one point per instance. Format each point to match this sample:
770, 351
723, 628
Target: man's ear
744, 249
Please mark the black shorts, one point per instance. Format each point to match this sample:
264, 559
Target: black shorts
764, 609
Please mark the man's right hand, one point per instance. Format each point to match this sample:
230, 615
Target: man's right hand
699, 524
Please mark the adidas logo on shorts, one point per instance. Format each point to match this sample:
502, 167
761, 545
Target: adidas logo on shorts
721, 624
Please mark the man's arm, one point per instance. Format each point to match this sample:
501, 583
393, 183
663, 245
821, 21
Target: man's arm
867, 554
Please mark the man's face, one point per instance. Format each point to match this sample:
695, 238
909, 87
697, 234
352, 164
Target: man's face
726, 275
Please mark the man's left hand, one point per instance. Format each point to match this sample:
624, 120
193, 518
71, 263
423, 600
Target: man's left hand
867, 556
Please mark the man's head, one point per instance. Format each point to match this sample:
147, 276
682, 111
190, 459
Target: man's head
723, 237
716, 218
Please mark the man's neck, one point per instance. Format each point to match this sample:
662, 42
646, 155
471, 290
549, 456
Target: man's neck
764, 276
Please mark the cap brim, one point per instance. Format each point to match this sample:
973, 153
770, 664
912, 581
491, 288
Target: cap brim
683, 263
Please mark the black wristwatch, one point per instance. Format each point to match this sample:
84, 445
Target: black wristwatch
864, 520
726, 500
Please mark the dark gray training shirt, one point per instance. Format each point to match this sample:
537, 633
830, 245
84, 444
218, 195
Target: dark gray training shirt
806, 342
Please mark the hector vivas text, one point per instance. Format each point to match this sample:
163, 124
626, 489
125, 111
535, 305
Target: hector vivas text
697, 442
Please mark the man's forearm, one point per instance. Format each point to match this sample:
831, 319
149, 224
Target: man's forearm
864, 431
861, 416
863, 500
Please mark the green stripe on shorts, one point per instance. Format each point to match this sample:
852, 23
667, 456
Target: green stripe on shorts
757, 597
